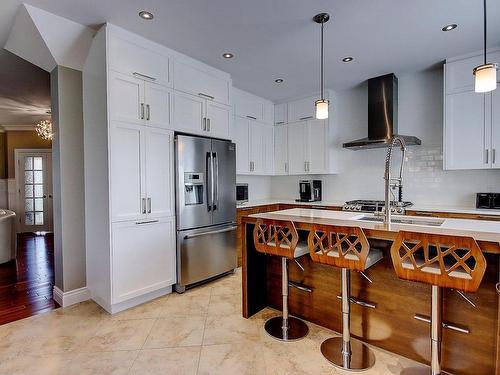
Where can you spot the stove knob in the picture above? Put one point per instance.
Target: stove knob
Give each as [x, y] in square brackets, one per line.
[345, 208]
[358, 208]
[399, 210]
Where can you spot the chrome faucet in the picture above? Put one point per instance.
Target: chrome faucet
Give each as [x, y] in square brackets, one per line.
[390, 182]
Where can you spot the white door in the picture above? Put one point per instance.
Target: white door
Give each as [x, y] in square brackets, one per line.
[143, 257]
[268, 156]
[256, 147]
[127, 177]
[242, 143]
[317, 146]
[126, 98]
[297, 133]
[158, 101]
[188, 113]
[466, 142]
[495, 129]
[281, 150]
[34, 187]
[159, 152]
[219, 118]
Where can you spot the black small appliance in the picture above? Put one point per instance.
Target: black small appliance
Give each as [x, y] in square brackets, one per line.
[309, 191]
[488, 200]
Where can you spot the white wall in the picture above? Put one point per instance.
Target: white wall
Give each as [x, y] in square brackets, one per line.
[361, 172]
[259, 187]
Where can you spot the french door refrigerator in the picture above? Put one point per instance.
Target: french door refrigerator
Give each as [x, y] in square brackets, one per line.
[206, 209]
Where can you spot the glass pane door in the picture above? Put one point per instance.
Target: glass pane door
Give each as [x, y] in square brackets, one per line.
[34, 194]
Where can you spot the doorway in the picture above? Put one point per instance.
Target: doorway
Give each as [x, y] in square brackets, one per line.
[34, 190]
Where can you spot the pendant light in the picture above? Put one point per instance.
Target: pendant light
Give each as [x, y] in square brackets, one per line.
[485, 74]
[322, 103]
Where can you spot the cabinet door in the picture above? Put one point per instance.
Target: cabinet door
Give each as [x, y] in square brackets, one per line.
[126, 170]
[465, 135]
[247, 105]
[159, 172]
[242, 145]
[280, 114]
[297, 134]
[188, 113]
[268, 141]
[143, 257]
[268, 112]
[158, 101]
[218, 119]
[317, 147]
[495, 128]
[126, 97]
[256, 137]
[300, 110]
[281, 150]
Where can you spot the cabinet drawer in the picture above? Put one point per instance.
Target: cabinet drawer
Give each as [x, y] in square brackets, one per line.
[194, 81]
[133, 59]
[143, 257]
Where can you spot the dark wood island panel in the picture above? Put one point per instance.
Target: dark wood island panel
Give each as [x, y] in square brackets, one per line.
[391, 325]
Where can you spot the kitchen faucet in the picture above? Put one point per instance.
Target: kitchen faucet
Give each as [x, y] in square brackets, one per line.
[392, 183]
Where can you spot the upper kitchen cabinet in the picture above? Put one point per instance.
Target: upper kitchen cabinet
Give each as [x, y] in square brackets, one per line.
[471, 120]
[308, 147]
[281, 150]
[303, 109]
[196, 115]
[254, 147]
[197, 79]
[280, 114]
[252, 107]
[135, 56]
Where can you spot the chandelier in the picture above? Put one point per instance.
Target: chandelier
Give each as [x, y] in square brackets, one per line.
[44, 129]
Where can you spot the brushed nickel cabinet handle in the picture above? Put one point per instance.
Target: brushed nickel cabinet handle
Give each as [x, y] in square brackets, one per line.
[487, 156]
[142, 111]
[148, 112]
[208, 124]
[146, 222]
[143, 205]
[204, 124]
[251, 117]
[139, 75]
[305, 118]
[206, 95]
[149, 205]
[494, 156]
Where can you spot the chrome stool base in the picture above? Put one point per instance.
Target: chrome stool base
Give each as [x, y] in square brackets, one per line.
[297, 329]
[361, 358]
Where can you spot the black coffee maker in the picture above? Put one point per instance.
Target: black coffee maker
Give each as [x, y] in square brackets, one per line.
[309, 191]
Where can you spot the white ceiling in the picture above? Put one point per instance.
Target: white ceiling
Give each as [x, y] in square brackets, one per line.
[277, 38]
[24, 91]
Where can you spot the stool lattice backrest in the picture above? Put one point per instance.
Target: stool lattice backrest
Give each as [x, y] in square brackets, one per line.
[339, 246]
[275, 237]
[446, 261]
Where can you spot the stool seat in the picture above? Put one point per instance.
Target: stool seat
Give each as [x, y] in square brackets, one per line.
[373, 256]
[436, 270]
[300, 249]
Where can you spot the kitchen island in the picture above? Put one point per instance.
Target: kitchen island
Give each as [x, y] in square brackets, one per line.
[391, 325]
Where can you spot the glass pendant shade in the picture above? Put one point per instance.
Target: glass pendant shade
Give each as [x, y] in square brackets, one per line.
[485, 77]
[322, 109]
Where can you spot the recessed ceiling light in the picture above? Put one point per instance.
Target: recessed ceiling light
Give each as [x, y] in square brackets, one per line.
[348, 59]
[146, 15]
[227, 55]
[450, 27]
[279, 80]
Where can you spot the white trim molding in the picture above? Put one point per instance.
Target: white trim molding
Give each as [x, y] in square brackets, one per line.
[72, 297]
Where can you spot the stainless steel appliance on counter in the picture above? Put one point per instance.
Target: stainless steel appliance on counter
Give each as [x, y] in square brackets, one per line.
[361, 205]
[206, 209]
[488, 200]
[241, 193]
[309, 191]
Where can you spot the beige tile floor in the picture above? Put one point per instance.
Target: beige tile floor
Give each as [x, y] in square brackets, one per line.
[199, 332]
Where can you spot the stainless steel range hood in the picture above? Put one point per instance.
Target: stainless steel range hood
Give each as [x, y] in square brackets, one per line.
[382, 115]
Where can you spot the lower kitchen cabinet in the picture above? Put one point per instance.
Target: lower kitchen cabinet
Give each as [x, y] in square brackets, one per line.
[143, 257]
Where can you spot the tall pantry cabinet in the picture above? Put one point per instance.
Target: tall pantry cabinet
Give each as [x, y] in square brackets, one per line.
[129, 177]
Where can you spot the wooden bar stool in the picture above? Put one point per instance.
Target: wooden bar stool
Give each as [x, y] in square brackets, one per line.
[280, 238]
[443, 262]
[348, 249]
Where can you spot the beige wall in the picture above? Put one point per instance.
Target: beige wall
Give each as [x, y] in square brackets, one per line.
[3, 156]
[20, 139]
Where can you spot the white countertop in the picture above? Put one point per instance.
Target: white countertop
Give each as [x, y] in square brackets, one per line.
[481, 230]
[433, 208]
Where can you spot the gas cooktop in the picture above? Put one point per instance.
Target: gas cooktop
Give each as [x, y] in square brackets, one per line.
[361, 205]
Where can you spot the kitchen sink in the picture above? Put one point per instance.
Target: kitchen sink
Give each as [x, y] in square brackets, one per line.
[402, 220]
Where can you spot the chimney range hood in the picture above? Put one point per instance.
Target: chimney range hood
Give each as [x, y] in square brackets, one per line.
[382, 115]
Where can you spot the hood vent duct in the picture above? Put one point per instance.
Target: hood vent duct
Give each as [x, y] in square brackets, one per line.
[382, 115]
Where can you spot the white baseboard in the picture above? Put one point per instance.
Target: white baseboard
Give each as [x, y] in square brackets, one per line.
[72, 297]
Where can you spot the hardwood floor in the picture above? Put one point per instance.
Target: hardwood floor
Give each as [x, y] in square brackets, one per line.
[26, 285]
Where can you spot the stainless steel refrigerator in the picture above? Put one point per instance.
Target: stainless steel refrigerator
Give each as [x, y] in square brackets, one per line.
[206, 209]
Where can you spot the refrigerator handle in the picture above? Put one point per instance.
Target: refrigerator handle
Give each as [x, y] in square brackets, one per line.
[209, 184]
[216, 183]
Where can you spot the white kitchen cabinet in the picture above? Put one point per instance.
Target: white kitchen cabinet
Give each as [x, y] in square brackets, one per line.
[137, 101]
[297, 143]
[300, 110]
[465, 132]
[195, 115]
[308, 147]
[141, 172]
[256, 137]
[241, 139]
[280, 114]
[268, 145]
[195, 80]
[281, 150]
[143, 257]
[247, 105]
[495, 128]
[131, 55]
[268, 112]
